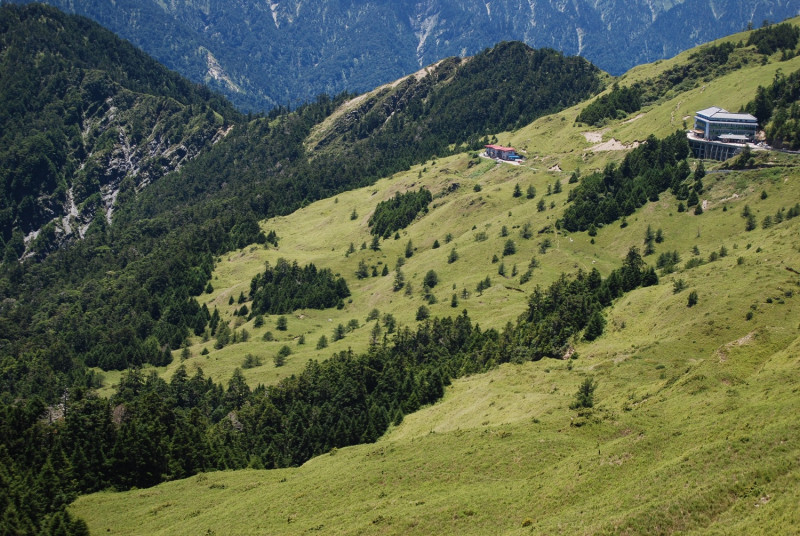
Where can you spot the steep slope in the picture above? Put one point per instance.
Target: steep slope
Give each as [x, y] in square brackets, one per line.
[146, 296]
[267, 54]
[693, 424]
[87, 121]
[129, 292]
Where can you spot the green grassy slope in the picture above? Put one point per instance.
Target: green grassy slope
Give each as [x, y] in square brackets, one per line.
[694, 428]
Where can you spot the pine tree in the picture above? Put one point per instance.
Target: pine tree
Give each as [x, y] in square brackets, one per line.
[281, 324]
[584, 398]
[595, 326]
[399, 280]
[431, 279]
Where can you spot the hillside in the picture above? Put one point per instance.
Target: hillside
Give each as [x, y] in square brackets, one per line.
[88, 120]
[692, 427]
[263, 55]
[149, 237]
[130, 293]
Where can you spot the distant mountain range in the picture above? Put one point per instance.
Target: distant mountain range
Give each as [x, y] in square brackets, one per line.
[285, 52]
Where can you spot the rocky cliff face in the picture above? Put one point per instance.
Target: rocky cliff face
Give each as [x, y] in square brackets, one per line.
[88, 121]
[283, 52]
[128, 141]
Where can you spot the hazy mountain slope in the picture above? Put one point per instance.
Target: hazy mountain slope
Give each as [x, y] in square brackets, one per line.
[266, 54]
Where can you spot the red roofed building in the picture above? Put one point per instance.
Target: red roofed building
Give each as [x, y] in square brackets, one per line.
[503, 153]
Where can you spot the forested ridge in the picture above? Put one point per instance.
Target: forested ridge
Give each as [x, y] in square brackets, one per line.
[83, 114]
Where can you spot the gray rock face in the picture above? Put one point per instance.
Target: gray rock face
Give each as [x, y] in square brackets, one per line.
[263, 54]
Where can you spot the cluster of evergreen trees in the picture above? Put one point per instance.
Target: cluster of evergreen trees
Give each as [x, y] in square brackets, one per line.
[777, 108]
[398, 212]
[288, 287]
[645, 172]
[559, 313]
[616, 105]
[775, 37]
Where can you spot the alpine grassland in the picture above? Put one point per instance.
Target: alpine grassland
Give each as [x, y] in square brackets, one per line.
[679, 417]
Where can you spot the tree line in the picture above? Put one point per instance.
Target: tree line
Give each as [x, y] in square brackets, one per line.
[153, 430]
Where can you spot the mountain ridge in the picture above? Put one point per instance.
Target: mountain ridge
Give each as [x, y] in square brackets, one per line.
[285, 53]
[85, 122]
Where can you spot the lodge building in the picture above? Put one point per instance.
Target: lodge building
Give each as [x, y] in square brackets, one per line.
[502, 153]
[719, 134]
[717, 124]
